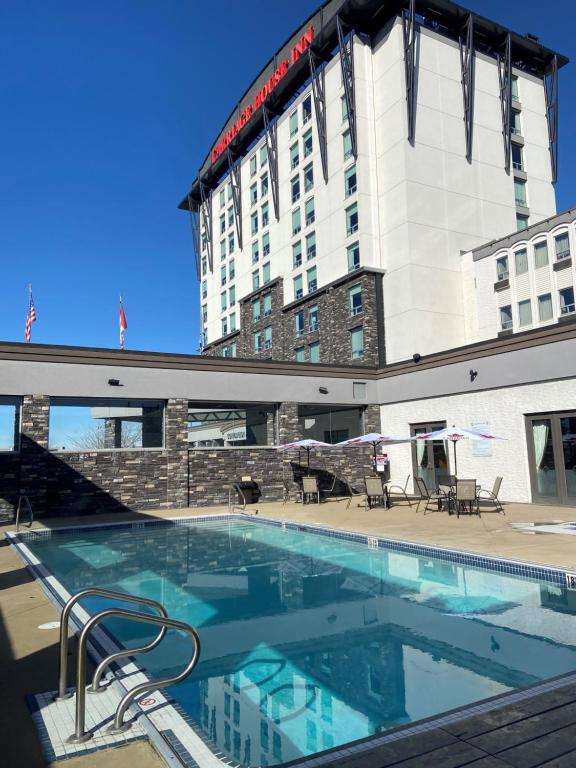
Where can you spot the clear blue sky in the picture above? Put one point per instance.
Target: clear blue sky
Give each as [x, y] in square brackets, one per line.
[108, 110]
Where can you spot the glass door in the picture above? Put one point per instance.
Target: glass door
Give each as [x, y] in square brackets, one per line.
[552, 457]
[568, 440]
[429, 457]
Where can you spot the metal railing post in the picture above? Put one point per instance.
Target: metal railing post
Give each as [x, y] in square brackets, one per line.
[19, 508]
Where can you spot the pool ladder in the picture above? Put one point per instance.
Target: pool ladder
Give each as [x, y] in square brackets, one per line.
[119, 726]
[22, 498]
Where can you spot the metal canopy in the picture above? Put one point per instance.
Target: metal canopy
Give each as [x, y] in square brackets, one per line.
[505, 79]
[467, 69]
[236, 182]
[346, 46]
[318, 91]
[195, 225]
[551, 86]
[409, 34]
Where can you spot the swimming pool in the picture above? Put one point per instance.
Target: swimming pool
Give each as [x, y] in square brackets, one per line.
[312, 641]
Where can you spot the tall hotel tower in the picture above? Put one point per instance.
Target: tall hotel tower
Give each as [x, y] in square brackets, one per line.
[382, 142]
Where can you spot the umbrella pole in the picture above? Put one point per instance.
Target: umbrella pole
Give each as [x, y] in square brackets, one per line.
[308, 452]
[455, 462]
[375, 467]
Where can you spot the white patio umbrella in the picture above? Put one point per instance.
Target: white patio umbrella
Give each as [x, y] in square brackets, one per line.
[374, 439]
[454, 434]
[308, 445]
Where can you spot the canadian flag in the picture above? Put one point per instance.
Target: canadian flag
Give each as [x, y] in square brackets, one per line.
[123, 324]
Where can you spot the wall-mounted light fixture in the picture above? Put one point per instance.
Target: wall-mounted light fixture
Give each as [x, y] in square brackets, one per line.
[473, 374]
[416, 357]
[114, 382]
[323, 390]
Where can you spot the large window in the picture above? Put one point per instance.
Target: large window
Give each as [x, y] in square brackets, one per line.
[330, 424]
[350, 180]
[294, 155]
[102, 424]
[545, 307]
[9, 423]
[506, 318]
[566, 300]
[355, 299]
[562, 246]
[353, 257]
[357, 343]
[524, 313]
[312, 280]
[352, 219]
[520, 192]
[540, 254]
[521, 261]
[231, 425]
[502, 268]
[517, 157]
[296, 221]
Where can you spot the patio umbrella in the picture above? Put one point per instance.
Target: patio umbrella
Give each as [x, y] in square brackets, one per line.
[454, 434]
[308, 445]
[374, 439]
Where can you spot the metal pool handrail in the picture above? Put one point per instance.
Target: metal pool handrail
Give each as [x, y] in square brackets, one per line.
[18, 509]
[80, 735]
[64, 621]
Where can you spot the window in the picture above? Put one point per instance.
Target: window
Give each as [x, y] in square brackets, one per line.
[253, 165]
[306, 110]
[9, 423]
[352, 219]
[298, 289]
[350, 180]
[502, 268]
[104, 424]
[263, 155]
[520, 192]
[524, 313]
[265, 244]
[231, 269]
[232, 296]
[294, 155]
[357, 342]
[308, 177]
[344, 107]
[267, 299]
[312, 280]
[224, 327]
[254, 223]
[347, 142]
[230, 216]
[222, 223]
[293, 123]
[223, 304]
[307, 143]
[255, 280]
[506, 318]
[258, 341]
[299, 323]
[515, 125]
[313, 323]
[265, 215]
[514, 79]
[222, 250]
[355, 299]
[229, 191]
[204, 289]
[330, 424]
[311, 246]
[233, 349]
[541, 254]
[521, 222]
[204, 265]
[297, 255]
[253, 194]
[255, 253]
[295, 188]
[521, 261]
[264, 185]
[231, 242]
[545, 307]
[314, 350]
[222, 197]
[268, 337]
[204, 313]
[232, 321]
[353, 252]
[256, 310]
[265, 273]
[309, 212]
[566, 301]
[296, 221]
[223, 274]
[231, 424]
[562, 246]
[299, 355]
[517, 157]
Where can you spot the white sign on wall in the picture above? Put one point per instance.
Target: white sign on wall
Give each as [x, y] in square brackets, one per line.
[481, 447]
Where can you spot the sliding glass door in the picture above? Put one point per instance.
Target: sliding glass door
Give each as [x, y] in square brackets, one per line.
[429, 458]
[552, 457]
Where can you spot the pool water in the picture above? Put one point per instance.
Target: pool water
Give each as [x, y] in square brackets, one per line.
[310, 642]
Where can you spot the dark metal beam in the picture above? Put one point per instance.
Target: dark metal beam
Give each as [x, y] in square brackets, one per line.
[346, 44]
[505, 80]
[551, 87]
[466, 42]
[206, 214]
[272, 148]
[195, 224]
[409, 32]
[318, 91]
[236, 182]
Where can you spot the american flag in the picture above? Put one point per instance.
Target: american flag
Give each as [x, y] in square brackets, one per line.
[123, 324]
[30, 318]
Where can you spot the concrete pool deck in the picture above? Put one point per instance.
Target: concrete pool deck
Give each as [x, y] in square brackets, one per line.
[28, 659]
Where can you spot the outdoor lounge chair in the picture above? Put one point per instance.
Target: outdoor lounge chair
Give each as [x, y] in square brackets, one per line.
[492, 496]
[400, 491]
[466, 496]
[375, 490]
[429, 498]
[310, 489]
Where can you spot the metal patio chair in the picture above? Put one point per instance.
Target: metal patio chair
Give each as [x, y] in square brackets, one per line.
[430, 498]
[399, 490]
[375, 490]
[310, 489]
[492, 496]
[466, 495]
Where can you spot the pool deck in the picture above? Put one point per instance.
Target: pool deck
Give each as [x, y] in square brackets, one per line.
[539, 731]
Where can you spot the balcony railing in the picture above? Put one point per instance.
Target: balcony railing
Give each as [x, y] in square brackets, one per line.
[310, 218]
[517, 165]
[356, 310]
[504, 275]
[352, 228]
[521, 201]
[563, 255]
[506, 325]
[350, 190]
[567, 309]
[313, 327]
[297, 263]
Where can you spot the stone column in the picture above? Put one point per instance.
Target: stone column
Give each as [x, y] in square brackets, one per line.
[33, 450]
[176, 431]
[288, 427]
[112, 433]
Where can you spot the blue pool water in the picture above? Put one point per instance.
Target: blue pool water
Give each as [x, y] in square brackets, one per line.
[309, 642]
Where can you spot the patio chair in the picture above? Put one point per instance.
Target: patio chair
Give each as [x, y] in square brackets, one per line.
[399, 490]
[375, 490]
[429, 498]
[446, 483]
[492, 496]
[286, 492]
[310, 489]
[466, 495]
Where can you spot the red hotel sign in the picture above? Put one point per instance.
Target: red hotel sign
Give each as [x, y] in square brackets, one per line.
[304, 42]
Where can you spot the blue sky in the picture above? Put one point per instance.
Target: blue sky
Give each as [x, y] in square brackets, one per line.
[108, 111]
